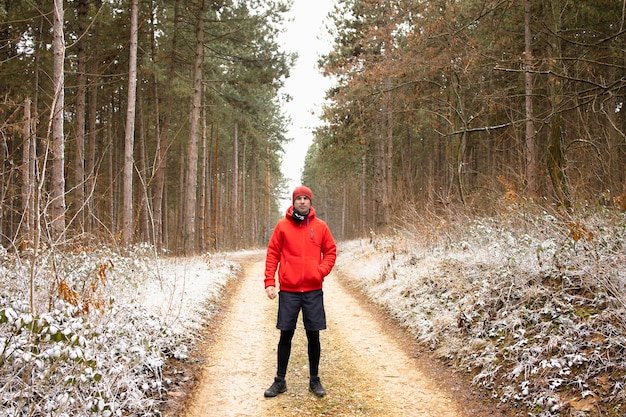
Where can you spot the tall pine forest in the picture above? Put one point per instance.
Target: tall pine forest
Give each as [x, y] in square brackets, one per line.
[183, 154]
[471, 107]
[162, 121]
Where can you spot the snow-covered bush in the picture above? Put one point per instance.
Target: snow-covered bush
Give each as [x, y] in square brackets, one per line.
[532, 306]
[90, 345]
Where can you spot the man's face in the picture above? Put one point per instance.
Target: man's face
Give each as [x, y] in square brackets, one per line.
[302, 204]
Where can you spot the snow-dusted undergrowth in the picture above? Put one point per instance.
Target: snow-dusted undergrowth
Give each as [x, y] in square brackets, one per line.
[101, 326]
[533, 306]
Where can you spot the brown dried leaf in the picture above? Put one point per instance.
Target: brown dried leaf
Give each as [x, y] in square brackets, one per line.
[584, 404]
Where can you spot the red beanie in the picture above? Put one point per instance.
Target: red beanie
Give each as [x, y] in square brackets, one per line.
[302, 190]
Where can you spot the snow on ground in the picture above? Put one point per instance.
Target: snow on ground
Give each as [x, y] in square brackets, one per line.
[531, 306]
[181, 289]
[100, 347]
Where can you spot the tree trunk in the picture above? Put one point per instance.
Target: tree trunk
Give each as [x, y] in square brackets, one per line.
[235, 201]
[457, 116]
[555, 158]
[90, 163]
[241, 203]
[380, 185]
[204, 175]
[268, 196]
[142, 167]
[216, 170]
[129, 139]
[90, 160]
[110, 206]
[344, 209]
[615, 148]
[389, 147]
[57, 181]
[81, 81]
[28, 177]
[254, 214]
[160, 164]
[35, 178]
[4, 180]
[556, 162]
[191, 183]
[363, 193]
[531, 153]
[460, 165]
[180, 209]
[429, 166]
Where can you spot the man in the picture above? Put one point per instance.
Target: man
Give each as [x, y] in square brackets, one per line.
[304, 252]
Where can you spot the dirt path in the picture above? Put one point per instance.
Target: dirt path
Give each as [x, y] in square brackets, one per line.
[364, 367]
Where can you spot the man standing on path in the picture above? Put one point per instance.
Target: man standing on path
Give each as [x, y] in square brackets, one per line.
[303, 251]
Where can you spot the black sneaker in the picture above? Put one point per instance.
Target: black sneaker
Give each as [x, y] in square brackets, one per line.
[278, 387]
[315, 386]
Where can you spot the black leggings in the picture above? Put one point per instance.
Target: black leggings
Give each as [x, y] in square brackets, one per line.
[284, 351]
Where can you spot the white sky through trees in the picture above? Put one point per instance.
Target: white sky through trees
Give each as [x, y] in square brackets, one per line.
[306, 35]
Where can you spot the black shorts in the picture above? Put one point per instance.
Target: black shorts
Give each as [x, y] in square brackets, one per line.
[312, 305]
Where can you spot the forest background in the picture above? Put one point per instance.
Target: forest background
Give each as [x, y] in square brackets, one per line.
[162, 121]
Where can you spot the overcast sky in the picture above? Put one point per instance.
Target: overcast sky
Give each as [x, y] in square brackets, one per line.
[305, 35]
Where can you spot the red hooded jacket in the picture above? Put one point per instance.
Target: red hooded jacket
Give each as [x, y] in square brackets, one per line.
[304, 253]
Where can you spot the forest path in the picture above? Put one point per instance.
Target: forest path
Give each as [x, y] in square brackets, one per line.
[366, 367]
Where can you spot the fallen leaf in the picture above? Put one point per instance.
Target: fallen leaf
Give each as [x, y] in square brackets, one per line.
[584, 404]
